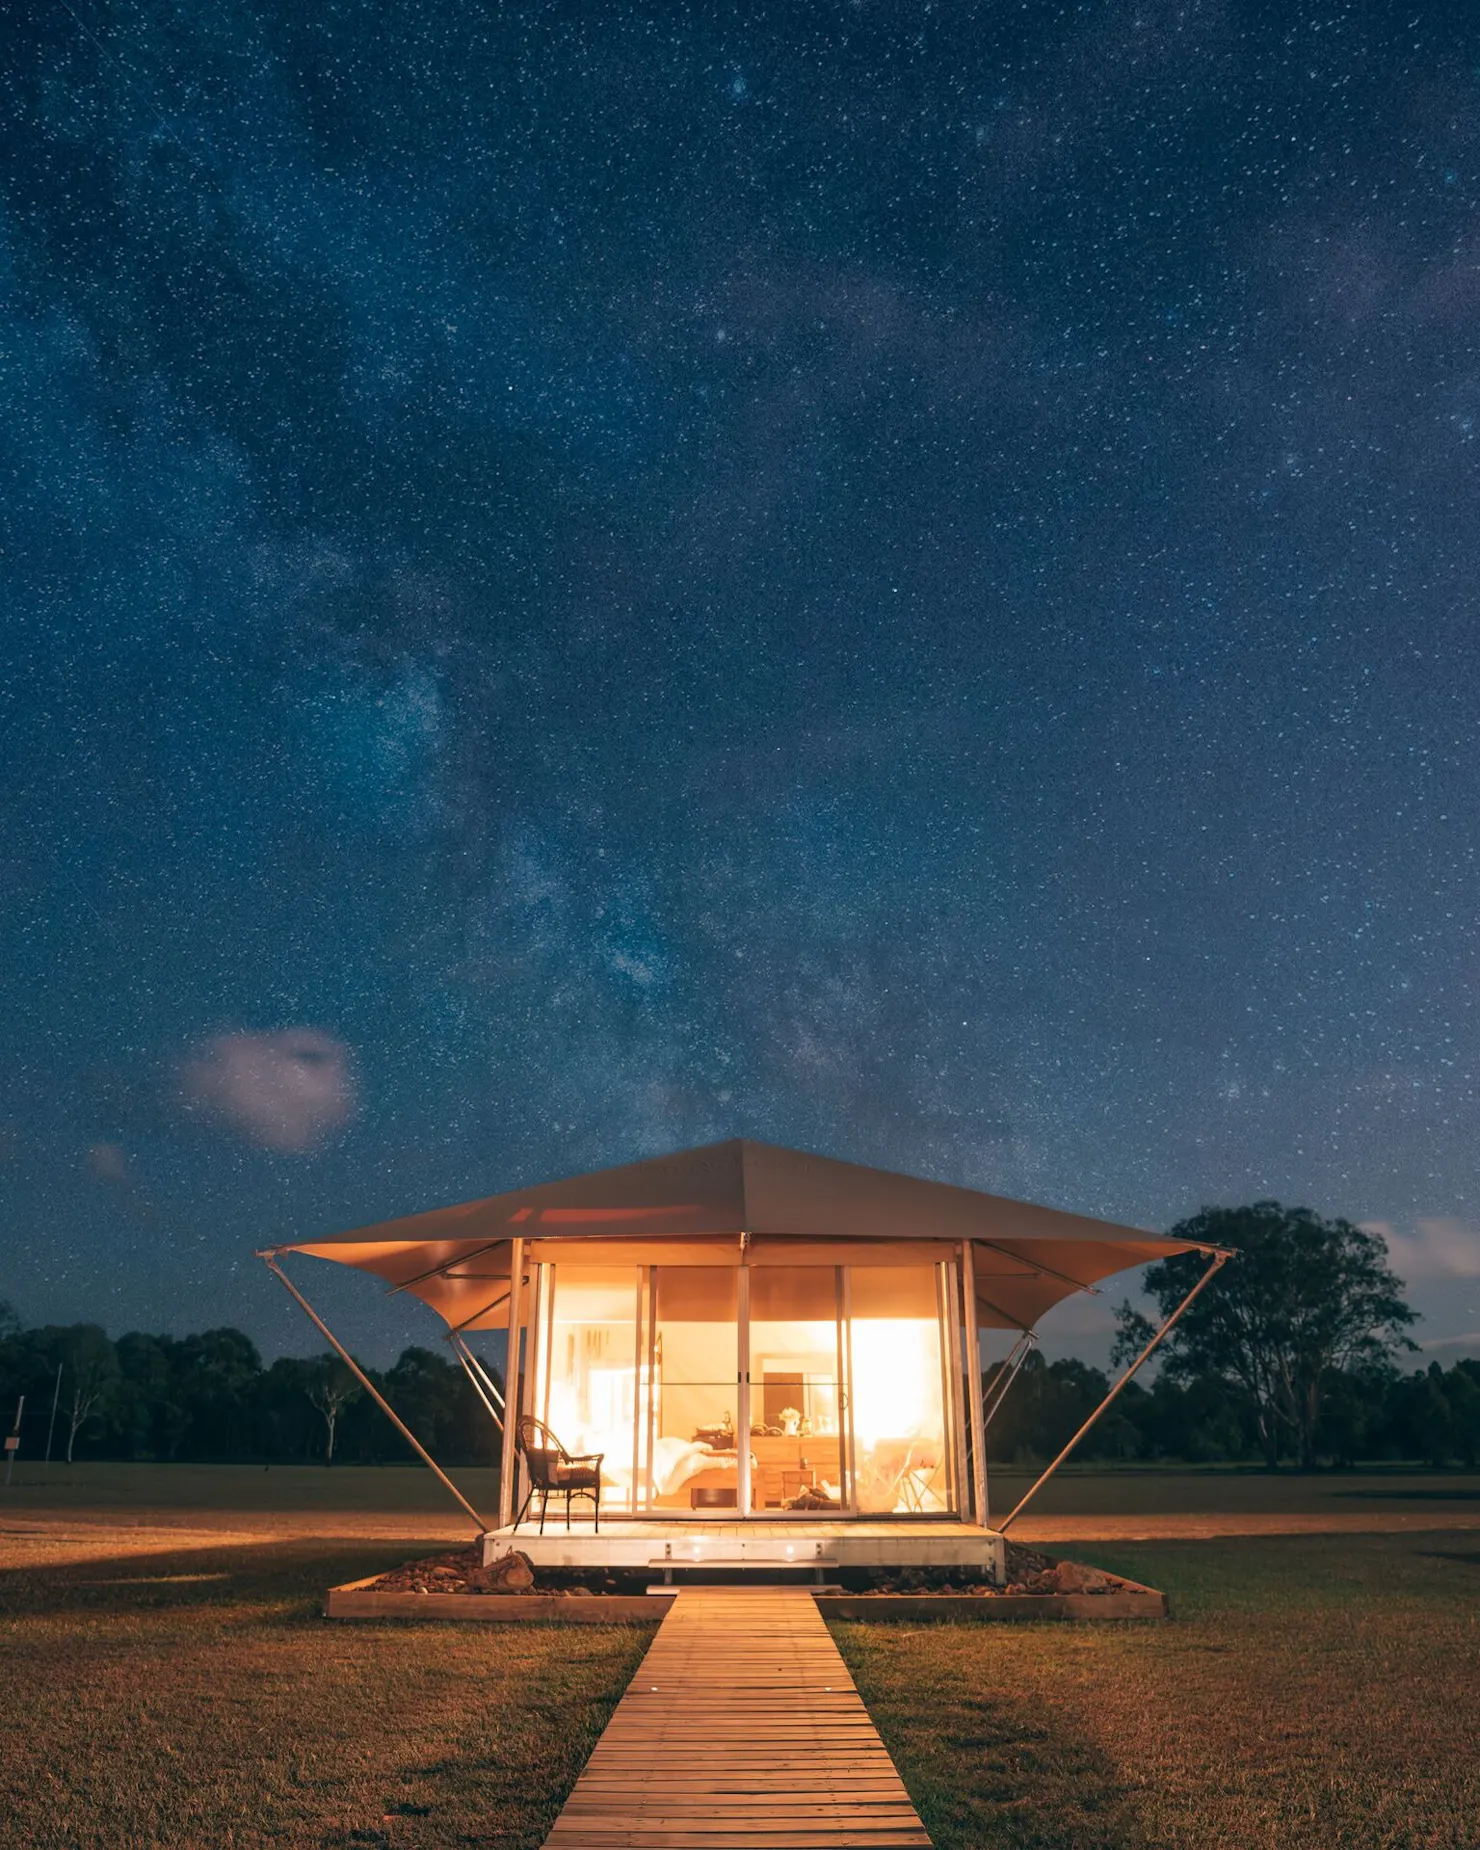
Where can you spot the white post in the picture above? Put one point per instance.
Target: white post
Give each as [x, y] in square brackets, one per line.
[632, 1500]
[468, 1360]
[507, 1481]
[953, 1376]
[974, 1384]
[1006, 1375]
[742, 1394]
[845, 1402]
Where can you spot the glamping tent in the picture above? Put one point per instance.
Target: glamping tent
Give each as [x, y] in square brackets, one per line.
[745, 1336]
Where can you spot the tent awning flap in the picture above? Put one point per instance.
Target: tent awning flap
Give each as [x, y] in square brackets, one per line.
[707, 1201]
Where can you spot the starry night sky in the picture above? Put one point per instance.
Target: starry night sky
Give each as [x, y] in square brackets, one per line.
[895, 578]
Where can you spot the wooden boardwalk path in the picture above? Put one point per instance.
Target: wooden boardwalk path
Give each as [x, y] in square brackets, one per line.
[741, 1728]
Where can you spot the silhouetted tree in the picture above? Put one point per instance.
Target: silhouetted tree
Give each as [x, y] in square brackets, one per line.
[330, 1387]
[1303, 1299]
[219, 1375]
[1462, 1388]
[89, 1377]
[89, 1363]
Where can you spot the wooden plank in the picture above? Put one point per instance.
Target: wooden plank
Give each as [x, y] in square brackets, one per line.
[741, 1728]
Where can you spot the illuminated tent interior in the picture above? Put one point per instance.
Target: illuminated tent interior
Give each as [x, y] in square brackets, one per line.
[827, 1311]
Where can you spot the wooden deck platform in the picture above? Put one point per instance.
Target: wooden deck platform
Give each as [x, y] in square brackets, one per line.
[741, 1727]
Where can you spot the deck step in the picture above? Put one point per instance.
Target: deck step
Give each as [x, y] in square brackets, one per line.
[805, 1562]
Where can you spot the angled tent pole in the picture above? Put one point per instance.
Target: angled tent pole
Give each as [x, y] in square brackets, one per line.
[482, 1311]
[460, 1342]
[1011, 1363]
[485, 1388]
[1037, 1267]
[1219, 1260]
[270, 1260]
[444, 1267]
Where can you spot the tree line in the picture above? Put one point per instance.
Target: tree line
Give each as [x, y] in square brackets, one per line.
[209, 1399]
[1429, 1416]
[1291, 1354]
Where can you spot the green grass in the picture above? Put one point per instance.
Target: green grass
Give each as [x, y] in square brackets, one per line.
[197, 1699]
[385, 1489]
[412, 1490]
[1309, 1694]
[1136, 1490]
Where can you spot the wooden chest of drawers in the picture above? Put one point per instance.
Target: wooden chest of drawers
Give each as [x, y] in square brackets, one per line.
[784, 1465]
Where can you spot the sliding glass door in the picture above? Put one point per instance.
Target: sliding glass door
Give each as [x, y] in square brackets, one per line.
[589, 1378]
[902, 1392]
[694, 1391]
[795, 1370]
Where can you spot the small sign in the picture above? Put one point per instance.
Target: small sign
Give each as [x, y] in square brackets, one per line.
[12, 1442]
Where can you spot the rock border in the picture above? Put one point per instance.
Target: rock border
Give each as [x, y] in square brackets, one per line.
[1135, 1602]
[354, 1600]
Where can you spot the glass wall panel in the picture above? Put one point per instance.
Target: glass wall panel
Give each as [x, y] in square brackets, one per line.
[795, 1437]
[897, 1391]
[693, 1410]
[588, 1396]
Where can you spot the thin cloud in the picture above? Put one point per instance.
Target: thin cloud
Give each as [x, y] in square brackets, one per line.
[285, 1092]
[1438, 1247]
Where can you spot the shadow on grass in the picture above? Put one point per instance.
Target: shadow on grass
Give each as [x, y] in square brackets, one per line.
[1467, 1557]
[291, 1576]
[1442, 1494]
[222, 1708]
[983, 1768]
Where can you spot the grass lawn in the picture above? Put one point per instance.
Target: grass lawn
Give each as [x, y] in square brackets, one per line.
[1319, 1692]
[165, 1679]
[197, 1699]
[391, 1491]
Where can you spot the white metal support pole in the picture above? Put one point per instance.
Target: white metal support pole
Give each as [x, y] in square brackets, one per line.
[1219, 1260]
[370, 1388]
[1008, 1373]
[495, 1394]
[974, 1384]
[743, 1487]
[845, 1408]
[463, 1356]
[509, 1459]
[649, 1493]
[632, 1497]
[842, 1388]
[953, 1377]
[547, 1361]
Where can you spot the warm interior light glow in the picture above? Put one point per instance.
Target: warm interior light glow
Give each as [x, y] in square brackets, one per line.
[656, 1391]
[590, 1387]
[898, 1420]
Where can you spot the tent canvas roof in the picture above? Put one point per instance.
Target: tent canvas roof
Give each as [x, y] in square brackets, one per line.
[1027, 1258]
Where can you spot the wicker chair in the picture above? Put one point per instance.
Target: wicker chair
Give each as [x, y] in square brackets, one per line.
[554, 1470]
